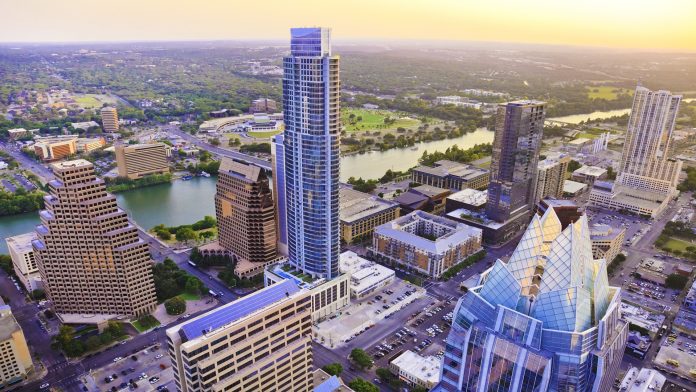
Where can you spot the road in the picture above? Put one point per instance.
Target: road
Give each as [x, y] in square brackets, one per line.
[35, 167]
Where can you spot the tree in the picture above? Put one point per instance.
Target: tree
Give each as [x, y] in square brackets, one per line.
[359, 384]
[419, 388]
[573, 166]
[175, 306]
[333, 369]
[676, 281]
[361, 358]
[186, 234]
[215, 141]
[93, 343]
[388, 377]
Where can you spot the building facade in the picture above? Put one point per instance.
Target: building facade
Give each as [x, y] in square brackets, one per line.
[551, 174]
[589, 174]
[245, 213]
[263, 105]
[87, 145]
[139, 160]
[16, 361]
[23, 260]
[260, 342]
[366, 277]
[518, 131]
[89, 254]
[547, 320]
[451, 175]
[426, 243]
[279, 192]
[361, 212]
[55, 148]
[109, 118]
[311, 149]
[414, 369]
[606, 241]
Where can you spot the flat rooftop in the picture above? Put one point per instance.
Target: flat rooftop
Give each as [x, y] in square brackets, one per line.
[355, 205]
[470, 196]
[234, 311]
[363, 273]
[429, 190]
[446, 167]
[21, 243]
[573, 186]
[592, 171]
[423, 368]
[604, 232]
[71, 164]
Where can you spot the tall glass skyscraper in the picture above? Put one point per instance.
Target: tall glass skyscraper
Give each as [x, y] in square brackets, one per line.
[311, 147]
[547, 320]
[518, 130]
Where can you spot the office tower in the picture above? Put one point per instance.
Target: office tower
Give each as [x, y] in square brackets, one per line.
[518, 131]
[138, 160]
[312, 131]
[547, 320]
[16, 360]
[263, 105]
[245, 213]
[646, 162]
[89, 254]
[551, 174]
[260, 342]
[109, 117]
[278, 163]
[23, 260]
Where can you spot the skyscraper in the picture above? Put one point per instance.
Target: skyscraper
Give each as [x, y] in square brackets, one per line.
[278, 163]
[245, 213]
[551, 174]
[89, 254]
[518, 131]
[547, 320]
[646, 162]
[109, 117]
[311, 147]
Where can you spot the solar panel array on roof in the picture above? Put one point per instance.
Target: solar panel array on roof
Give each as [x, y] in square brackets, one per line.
[238, 309]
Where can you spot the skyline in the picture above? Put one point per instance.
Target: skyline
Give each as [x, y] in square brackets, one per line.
[643, 24]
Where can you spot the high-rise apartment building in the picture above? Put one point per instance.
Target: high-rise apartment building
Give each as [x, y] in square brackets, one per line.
[23, 260]
[551, 173]
[15, 360]
[311, 148]
[547, 320]
[109, 118]
[260, 342]
[646, 162]
[89, 254]
[245, 213]
[138, 160]
[518, 130]
[278, 163]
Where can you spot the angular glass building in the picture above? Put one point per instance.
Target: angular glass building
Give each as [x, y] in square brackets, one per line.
[311, 147]
[547, 320]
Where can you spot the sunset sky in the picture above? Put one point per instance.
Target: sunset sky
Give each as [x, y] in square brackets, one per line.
[659, 24]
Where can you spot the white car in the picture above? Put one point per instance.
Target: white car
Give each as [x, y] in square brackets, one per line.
[158, 356]
[45, 386]
[118, 359]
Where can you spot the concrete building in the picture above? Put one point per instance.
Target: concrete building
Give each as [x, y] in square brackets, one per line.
[19, 133]
[15, 360]
[546, 320]
[426, 243]
[311, 87]
[470, 199]
[361, 212]
[622, 198]
[414, 369]
[365, 276]
[109, 117]
[426, 198]
[87, 145]
[55, 148]
[589, 174]
[567, 211]
[606, 241]
[458, 101]
[139, 160]
[643, 380]
[451, 175]
[573, 188]
[23, 260]
[89, 254]
[245, 212]
[551, 174]
[263, 105]
[260, 342]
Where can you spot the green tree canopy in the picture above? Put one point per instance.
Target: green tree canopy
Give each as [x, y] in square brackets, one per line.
[333, 369]
[175, 306]
[361, 358]
[359, 384]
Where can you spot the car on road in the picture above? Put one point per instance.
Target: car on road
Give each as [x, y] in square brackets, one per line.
[158, 356]
[45, 386]
[154, 380]
[118, 359]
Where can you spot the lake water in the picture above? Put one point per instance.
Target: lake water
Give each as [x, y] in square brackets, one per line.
[577, 118]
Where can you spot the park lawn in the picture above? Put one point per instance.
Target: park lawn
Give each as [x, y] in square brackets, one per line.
[189, 297]
[605, 92]
[374, 120]
[142, 328]
[677, 244]
[88, 101]
[264, 134]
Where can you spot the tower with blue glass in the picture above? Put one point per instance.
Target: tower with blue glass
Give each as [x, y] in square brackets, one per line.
[311, 147]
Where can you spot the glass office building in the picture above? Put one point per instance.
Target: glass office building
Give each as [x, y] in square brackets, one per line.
[547, 320]
[311, 148]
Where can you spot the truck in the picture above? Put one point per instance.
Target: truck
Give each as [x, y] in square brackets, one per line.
[212, 293]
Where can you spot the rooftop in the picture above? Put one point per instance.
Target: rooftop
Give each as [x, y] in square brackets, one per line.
[71, 164]
[573, 186]
[355, 205]
[8, 323]
[242, 169]
[592, 171]
[642, 381]
[363, 273]
[604, 232]
[21, 243]
[470, 196]
[445, 167]
[236, 310]
[423, 368]
[429, 190]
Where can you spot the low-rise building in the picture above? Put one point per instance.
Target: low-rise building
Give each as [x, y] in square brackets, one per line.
[55, 148]
[426, 198]
[638, 345]
[258, 342]
[415, 369]
[643, 380]
[263, 105]
[606, 241]
[426, 243]
[15, 360]
[361, 212]
[365, 276]
[573, 188]
[324, 382]
[87, 145]
[567, 210]
[589, 174]
[451, 175]
[138, 160]
[84, 125]
[622, 198]
[471, 199]
[19, 133]
[23, 260]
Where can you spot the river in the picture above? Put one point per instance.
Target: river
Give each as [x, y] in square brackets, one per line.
[577, 118]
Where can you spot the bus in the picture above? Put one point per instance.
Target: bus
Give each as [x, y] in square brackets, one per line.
[192, 263]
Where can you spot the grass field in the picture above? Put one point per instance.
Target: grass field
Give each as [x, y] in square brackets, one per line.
[373, 120]
[88, 102]
[677, 244]
[264, 134]
[189, 297]
[142, 328]
[605, 92]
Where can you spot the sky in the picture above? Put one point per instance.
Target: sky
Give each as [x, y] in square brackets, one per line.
[654, 24]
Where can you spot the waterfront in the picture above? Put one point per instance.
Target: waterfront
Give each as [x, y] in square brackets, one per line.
[577, 118]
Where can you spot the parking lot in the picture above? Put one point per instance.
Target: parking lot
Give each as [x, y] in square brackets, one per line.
[145, 370]
[364, 313]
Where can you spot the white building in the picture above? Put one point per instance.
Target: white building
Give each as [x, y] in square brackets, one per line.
[415, 369]
[23, 261]
[458, 101]
[365, 276]
[645, 380]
